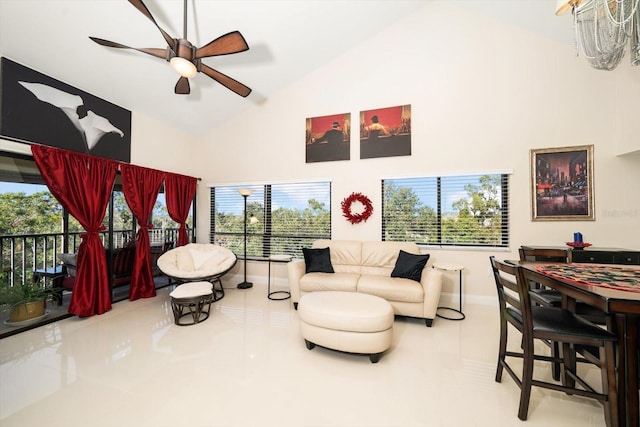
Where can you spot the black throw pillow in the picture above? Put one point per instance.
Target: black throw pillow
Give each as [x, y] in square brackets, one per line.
[317, 260]
[409, 266]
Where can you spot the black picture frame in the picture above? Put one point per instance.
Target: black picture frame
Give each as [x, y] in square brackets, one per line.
[36, 108]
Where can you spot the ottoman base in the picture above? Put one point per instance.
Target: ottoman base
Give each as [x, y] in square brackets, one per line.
[372, 344]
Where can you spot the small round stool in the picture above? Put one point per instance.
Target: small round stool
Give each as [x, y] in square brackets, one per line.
[190, 299]
[347, 321]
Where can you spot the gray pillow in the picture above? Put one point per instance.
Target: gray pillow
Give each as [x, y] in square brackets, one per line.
[409, 266]
[67, 259]
[317, 260]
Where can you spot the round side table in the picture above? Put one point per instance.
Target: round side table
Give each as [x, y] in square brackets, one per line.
[447, 267]
[277, 295]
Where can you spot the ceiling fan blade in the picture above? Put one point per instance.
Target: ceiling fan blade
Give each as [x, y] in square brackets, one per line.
[232, 42]
[226, 81]
[182, 87]
[158, 53]
[138, 4]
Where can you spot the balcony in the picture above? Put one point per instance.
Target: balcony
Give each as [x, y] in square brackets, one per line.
[23, 255]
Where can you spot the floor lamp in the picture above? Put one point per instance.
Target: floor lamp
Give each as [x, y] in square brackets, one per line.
[245, 193]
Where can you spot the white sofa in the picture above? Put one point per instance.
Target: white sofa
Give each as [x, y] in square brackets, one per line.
[366, 267]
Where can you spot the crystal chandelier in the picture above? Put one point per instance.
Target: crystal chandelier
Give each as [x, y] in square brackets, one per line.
[603, 30]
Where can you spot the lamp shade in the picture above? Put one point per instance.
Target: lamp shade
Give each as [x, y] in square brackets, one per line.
[245, 191]
[563, 6]
[184, 67]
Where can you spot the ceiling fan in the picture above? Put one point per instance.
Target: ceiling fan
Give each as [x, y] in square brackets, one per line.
[185, 58]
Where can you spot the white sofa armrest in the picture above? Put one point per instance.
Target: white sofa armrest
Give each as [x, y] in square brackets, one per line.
[431, 281]
[295, 269]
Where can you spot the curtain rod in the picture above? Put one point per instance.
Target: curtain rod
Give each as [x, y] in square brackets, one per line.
[19, 141]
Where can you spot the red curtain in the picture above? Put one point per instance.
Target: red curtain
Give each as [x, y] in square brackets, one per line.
[82, 184]
[141, 186]
[179, 191]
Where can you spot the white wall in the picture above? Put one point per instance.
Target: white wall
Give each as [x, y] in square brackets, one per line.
[483, 93]
[156, 145]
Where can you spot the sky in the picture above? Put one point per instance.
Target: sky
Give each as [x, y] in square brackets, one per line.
[17, 187]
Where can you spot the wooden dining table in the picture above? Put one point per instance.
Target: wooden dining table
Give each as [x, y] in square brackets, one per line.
[621, 303]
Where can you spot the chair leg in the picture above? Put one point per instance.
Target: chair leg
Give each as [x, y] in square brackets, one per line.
[608, 371]
[568, 365]
[555, 366]
[502, 350]
[527, 379]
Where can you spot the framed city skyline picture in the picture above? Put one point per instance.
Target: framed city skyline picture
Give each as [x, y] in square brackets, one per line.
[36, 108]
[562, 184]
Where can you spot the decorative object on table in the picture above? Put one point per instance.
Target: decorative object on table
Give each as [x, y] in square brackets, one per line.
[185, 58]
[327, 138]
[562, 184]
[37, 108]
[245, 193]
[385, 132]
[27, 302]
[347, 208]
[579, 245]
[603, 28]
[445, 267]
[578, 242]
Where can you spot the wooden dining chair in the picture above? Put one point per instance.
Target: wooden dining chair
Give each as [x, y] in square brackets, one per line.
[578, 336]
[550, 297]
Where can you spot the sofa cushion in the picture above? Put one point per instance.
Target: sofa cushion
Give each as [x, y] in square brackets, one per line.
[346, 255]
[391, 288]
[380, 257]
[312, 282]
[409, 266]
[184, 260]
[317, 260]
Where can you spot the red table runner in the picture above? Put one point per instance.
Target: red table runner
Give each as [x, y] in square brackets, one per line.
[606, 276]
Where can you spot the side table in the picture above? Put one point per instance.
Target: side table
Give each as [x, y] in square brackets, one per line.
[446, 267]
[55, 276]
[281, 295]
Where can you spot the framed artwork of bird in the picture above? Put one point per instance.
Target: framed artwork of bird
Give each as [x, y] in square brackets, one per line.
[36, 108]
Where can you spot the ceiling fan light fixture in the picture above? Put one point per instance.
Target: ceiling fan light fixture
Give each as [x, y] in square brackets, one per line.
[184, 67]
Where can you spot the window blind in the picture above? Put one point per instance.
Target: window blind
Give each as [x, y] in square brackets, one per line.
[454, 210]
[281, 218]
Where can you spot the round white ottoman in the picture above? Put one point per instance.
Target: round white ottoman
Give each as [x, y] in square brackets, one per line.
[346, 321]
[191, 299]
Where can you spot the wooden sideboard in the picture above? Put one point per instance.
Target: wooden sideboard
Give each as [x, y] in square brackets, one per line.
[596, 255]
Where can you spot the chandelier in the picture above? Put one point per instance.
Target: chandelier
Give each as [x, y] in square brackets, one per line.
[604, 28]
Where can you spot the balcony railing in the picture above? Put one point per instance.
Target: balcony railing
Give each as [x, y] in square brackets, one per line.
[22, 254]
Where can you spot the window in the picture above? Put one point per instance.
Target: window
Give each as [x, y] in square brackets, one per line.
[281, 218]
[463, 210]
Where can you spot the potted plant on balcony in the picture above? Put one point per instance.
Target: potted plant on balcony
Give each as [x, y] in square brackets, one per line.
[26, 301]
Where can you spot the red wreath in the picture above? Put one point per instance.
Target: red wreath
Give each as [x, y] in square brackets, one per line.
[355, 218]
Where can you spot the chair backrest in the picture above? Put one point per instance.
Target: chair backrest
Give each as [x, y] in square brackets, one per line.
[544, 254]
[513, 292]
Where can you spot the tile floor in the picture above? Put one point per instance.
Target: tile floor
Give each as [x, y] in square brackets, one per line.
[248, 366]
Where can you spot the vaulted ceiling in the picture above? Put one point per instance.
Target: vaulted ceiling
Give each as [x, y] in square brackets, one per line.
[287, 39]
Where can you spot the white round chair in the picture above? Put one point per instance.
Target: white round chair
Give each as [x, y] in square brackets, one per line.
[197, 262]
